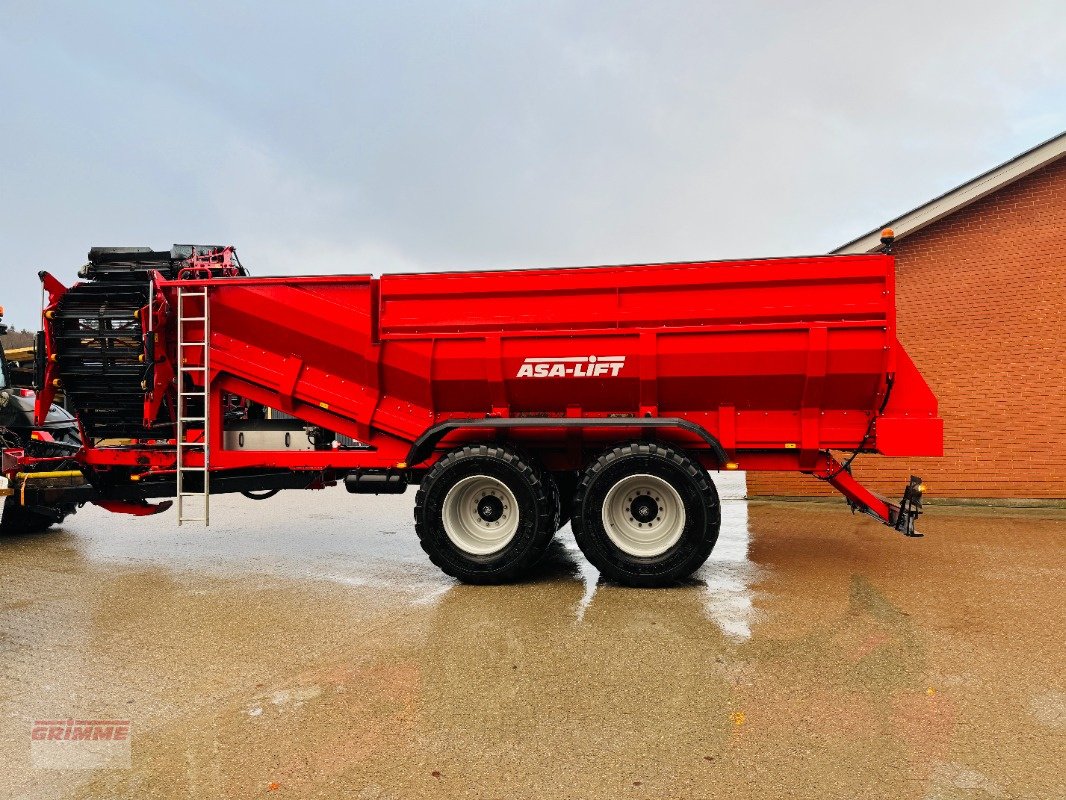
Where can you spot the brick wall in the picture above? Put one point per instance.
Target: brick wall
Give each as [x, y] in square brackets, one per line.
[982, 312]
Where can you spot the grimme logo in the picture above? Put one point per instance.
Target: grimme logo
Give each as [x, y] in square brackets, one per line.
[114, 730]
[572, 366]
[80, 743]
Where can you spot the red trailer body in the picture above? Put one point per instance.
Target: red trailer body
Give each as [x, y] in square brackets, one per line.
[755, 364]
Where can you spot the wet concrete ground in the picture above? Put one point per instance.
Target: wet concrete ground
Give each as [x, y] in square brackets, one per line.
[305, 647]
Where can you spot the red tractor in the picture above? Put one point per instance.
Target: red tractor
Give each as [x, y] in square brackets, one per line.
[55, 440]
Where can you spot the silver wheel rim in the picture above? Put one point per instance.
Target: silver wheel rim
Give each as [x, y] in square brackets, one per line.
[643, 515]
[480, 515]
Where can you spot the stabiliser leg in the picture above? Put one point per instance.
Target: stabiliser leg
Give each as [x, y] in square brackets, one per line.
[900, 516]
[910, 507]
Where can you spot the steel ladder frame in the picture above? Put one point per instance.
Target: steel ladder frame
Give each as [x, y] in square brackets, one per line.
[182, 411]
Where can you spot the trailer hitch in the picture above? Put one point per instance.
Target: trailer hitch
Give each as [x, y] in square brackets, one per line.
[901, 516]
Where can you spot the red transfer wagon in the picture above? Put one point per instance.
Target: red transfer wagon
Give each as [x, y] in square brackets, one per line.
[516, 400]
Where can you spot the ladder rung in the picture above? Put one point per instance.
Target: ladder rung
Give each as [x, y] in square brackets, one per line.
[191, 319]
[192, 369]
[192, 444]
[193, 344]
[191, 519]
[191, 419]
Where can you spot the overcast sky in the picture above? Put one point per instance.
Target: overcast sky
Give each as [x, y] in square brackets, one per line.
[374, 137]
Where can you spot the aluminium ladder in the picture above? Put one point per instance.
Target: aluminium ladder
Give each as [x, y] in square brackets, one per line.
[197, 416]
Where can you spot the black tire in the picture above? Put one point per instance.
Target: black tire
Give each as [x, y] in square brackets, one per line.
[698, 531]
[567, 483]
[535, 495]
[17, 520]
[261, 494]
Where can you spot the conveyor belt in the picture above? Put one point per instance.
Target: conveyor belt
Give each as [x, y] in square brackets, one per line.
[99, 346]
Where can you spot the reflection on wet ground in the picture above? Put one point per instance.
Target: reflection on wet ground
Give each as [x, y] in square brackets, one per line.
[305, 647]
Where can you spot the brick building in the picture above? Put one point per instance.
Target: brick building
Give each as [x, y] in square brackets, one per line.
[981, 294]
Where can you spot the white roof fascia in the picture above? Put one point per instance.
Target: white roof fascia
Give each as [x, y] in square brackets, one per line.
[970, 192]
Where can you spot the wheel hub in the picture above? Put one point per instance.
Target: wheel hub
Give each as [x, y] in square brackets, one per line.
[490, 508]
[644, 509]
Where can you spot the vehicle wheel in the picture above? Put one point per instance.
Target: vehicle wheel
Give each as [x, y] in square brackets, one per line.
[485, 514]
[16, 519]
[567, 483]
[646, 514]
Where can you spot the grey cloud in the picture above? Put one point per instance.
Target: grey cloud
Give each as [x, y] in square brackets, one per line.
[339, 137]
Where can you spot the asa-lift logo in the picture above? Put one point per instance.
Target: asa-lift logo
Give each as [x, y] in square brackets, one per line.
[572, 367]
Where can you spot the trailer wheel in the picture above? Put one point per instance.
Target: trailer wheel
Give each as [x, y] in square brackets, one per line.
[485, 514]
[645, 514]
